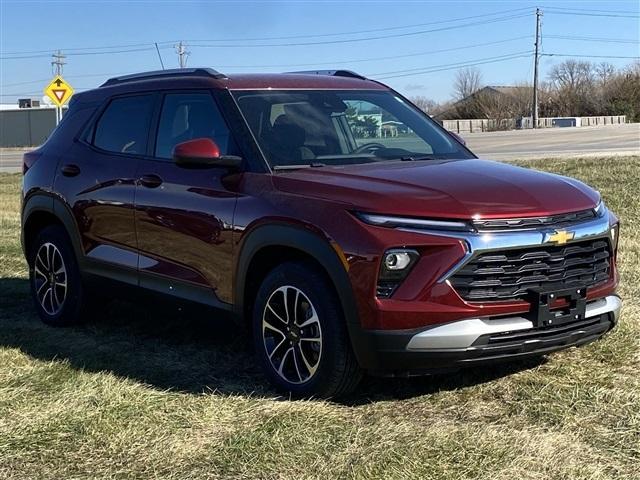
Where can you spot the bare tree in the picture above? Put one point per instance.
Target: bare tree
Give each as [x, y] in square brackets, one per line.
[573, 75]
[468, 81]
[574, 83]
[423, 103]
[604, 71]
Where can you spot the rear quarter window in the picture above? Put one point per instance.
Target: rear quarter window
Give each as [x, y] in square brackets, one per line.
[124, 125]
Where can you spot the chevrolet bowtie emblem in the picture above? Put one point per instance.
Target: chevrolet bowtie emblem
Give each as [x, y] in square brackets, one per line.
[560, 237]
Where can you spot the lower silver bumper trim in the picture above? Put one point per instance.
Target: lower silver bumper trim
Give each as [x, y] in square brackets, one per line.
[463, 333]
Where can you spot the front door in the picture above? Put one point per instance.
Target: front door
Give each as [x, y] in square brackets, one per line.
[184, 216]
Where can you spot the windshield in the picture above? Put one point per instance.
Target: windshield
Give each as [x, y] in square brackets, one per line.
[329, 127]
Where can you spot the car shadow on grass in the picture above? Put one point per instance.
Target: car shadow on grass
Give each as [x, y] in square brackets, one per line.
[185, 348]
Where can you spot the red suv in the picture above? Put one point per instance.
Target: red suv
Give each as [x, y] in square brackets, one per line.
[349, 230]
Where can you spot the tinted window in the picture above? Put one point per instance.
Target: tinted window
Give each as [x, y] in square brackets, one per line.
[124, 125]
[186, 116]
[342, 127]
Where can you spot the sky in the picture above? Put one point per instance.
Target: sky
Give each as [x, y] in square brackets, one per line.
[413, 46]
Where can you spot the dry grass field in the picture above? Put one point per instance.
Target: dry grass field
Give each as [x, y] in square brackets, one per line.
[153, 391]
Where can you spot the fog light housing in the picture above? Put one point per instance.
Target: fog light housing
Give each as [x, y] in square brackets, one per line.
[394, 268]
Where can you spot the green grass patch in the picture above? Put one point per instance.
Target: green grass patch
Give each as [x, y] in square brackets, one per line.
[166, 392]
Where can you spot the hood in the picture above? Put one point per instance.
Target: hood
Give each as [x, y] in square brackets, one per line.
[461, 189]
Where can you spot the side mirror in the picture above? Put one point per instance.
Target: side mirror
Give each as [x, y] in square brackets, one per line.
[203, 152]
[458, 138]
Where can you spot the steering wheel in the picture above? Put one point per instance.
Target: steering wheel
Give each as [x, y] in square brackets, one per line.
[368, 146]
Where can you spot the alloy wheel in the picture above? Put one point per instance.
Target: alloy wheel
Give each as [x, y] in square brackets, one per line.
[50, 278]
[292, 335]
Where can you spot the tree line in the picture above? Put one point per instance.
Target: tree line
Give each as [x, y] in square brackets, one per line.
[572, 88]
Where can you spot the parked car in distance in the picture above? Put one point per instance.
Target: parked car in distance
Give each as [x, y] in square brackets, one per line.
[351, 232]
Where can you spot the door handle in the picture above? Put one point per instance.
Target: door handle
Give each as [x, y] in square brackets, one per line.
[70, 170]
[150, 181]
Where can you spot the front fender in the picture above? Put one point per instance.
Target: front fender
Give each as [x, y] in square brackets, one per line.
[299, 238]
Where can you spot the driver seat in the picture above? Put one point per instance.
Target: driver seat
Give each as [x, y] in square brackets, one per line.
[286, 142]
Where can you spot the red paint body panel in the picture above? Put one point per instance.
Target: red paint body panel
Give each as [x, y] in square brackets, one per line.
[456, 190]
[197, 148]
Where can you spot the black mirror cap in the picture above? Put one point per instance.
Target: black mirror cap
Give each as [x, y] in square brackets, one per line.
[230, 162]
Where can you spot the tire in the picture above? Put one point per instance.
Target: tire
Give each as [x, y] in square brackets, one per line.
[52, 259]
[309, 355]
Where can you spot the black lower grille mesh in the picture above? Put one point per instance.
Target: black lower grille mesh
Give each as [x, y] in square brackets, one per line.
[508, 275]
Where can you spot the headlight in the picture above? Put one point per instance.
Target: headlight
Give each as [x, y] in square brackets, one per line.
[394, 268]
[600, 209]
[415, 223]
[614, 232]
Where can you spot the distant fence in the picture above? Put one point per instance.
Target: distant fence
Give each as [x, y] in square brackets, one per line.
[478, 125]
[554, 122]
[26, 127]
[485, 125]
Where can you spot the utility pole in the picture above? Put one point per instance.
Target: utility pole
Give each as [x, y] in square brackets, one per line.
[181, 50]
[56, 65]
[58, 62]
[534, 115]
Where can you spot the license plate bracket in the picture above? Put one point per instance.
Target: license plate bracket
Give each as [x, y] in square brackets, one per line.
[543, 315]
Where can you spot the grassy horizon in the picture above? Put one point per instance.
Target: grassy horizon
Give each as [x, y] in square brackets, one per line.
[153, 391]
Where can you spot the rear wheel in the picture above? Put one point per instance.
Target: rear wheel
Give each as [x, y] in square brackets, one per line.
[55, 280]
[300, 334]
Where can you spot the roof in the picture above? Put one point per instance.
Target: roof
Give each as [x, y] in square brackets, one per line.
[508, 89]
[208, 78]
[297, 81]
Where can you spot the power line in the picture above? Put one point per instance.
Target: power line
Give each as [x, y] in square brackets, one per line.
[326, 42]
[595, 39]
[361, 60]
[587, 56]
[358, 32]
[70, 50]
[454, 66]
[287, 37]
[589, 10]
[557, 12]
[372, 59]
[152, 47]
[354, 40]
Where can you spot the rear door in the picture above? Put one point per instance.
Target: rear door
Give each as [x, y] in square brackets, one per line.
[184, 216]
[97, 179]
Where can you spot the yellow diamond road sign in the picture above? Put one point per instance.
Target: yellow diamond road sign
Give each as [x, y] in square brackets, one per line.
[59, 91]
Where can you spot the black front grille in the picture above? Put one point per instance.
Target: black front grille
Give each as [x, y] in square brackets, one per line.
[554, 221]
[508, 275]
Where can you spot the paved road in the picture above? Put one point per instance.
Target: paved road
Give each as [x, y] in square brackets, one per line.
[617, 139]
[614, 139]
[10, 160]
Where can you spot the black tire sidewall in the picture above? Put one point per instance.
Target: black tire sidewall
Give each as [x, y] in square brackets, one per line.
[72, 306]
[334, 338]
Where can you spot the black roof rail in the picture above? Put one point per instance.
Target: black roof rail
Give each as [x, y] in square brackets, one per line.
[333, 73]
[157, 74]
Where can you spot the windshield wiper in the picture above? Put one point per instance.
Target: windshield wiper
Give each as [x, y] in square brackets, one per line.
[276, 168]
[416, 159]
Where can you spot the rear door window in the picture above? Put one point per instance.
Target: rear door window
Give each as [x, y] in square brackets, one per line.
[124, 125]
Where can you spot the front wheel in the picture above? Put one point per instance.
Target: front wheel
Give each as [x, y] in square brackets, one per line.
[300, 334]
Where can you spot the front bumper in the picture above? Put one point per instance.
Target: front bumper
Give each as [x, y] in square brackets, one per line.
[475, 341]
